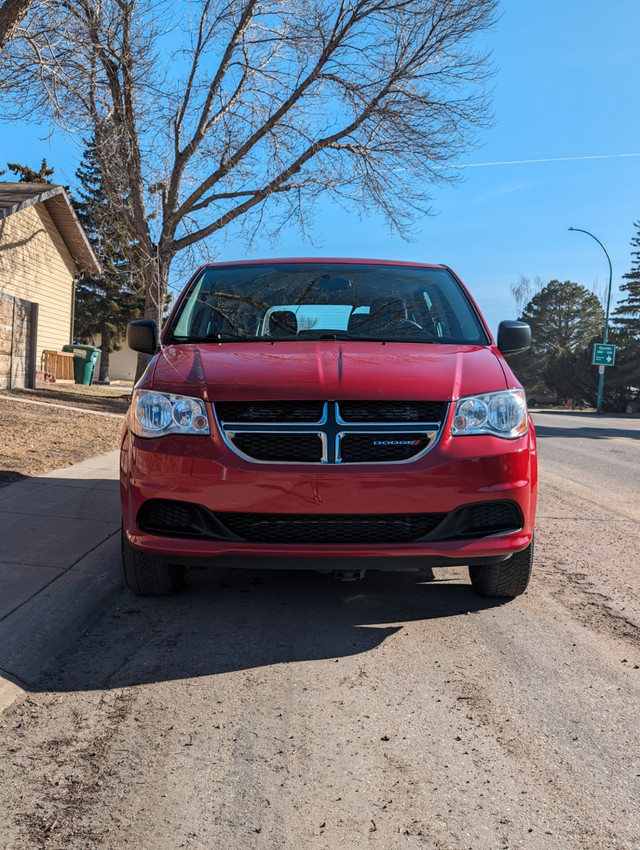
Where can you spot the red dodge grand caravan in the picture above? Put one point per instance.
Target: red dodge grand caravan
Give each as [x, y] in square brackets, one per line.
[329, 415]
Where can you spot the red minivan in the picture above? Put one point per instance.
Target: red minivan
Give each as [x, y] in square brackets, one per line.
[328, 414]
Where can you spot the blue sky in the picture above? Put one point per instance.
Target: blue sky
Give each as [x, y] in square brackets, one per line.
[566, 89]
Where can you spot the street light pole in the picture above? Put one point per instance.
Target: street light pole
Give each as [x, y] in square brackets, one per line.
[605, 334]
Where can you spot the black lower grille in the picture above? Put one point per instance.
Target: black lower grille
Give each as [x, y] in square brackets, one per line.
[482, 519]
[330, 528]
[183, 519]
[493, 517]
[174, 519]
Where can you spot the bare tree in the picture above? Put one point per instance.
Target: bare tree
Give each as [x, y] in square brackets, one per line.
[523, 289]
[241, 113]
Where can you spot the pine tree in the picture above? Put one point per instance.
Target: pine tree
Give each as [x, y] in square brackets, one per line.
[625, 376]
[105, 304]
[626, 316]
[564, 318]
[28, 175]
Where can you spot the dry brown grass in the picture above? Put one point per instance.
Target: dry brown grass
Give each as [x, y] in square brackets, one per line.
[37, 438]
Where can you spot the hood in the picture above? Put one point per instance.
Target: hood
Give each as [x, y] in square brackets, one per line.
[328, 370]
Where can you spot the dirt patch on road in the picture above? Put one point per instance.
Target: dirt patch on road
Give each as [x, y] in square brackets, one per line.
[57, 425]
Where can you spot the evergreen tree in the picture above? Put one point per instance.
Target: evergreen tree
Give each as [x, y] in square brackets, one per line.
[28, 175]
[624, 377]
[565, 318]
[626, 316]
[105, 304]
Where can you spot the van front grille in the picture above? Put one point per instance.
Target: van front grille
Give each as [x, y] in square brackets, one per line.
[331, 432]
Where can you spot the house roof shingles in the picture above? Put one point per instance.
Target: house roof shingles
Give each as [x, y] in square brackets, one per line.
[18, 196]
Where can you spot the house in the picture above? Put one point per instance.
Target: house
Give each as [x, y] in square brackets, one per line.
[43, 249]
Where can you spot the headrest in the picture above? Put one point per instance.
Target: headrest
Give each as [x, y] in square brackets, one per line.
[283, 323]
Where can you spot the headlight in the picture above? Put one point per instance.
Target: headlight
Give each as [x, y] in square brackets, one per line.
[157, 414]
[502, 414]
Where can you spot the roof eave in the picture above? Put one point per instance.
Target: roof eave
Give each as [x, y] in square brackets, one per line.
[57, 204]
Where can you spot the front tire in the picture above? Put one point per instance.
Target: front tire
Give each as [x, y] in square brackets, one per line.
[149, 576]
[507, 579]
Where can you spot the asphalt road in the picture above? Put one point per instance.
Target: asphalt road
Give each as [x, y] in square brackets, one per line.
[290, 711]
[600, 453]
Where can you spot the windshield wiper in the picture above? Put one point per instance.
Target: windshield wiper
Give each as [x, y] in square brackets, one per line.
[218, 337]
[406, 337]
[334, 336]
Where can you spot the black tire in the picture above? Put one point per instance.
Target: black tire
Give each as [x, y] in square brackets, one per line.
[507, 579]
[148, 576]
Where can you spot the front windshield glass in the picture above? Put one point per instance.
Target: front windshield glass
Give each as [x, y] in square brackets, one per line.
[295, 301]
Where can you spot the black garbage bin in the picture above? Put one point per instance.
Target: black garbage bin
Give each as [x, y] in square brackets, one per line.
[85, 358]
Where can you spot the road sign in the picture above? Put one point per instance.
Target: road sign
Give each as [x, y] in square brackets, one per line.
[603, 354]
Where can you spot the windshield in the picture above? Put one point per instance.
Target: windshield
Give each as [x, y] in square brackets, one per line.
[295, 301]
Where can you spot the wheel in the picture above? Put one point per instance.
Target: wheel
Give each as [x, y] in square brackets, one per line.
[148, 576]
[508, 578]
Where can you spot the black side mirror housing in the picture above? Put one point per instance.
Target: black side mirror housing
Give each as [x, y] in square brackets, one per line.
[513, 337]
[142, 335]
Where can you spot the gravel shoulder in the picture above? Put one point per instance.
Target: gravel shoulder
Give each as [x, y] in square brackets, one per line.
[58, 425]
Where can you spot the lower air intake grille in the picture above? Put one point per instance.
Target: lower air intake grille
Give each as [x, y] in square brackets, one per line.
[330, 528]
[493, 518]
[175, 519]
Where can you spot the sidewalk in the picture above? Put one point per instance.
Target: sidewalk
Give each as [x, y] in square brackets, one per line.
[59, 564]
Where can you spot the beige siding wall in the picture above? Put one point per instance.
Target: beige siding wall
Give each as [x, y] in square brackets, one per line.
[35, 265]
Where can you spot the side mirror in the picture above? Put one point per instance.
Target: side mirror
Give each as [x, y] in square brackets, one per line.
[142, 335]
[513, 337]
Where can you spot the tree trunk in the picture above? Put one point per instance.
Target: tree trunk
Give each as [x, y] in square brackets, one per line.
[156, 275]
[103, 374]
[11, 13]
[156, 278]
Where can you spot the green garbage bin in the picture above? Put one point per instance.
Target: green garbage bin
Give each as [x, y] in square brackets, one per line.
[85, 358]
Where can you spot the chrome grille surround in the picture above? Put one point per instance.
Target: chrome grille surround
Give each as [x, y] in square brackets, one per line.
[329, 439]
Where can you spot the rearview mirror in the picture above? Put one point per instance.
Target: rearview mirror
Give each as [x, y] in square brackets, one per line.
[142, 335]
[513, 337]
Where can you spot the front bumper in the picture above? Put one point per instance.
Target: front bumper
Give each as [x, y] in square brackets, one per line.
[203, 471]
